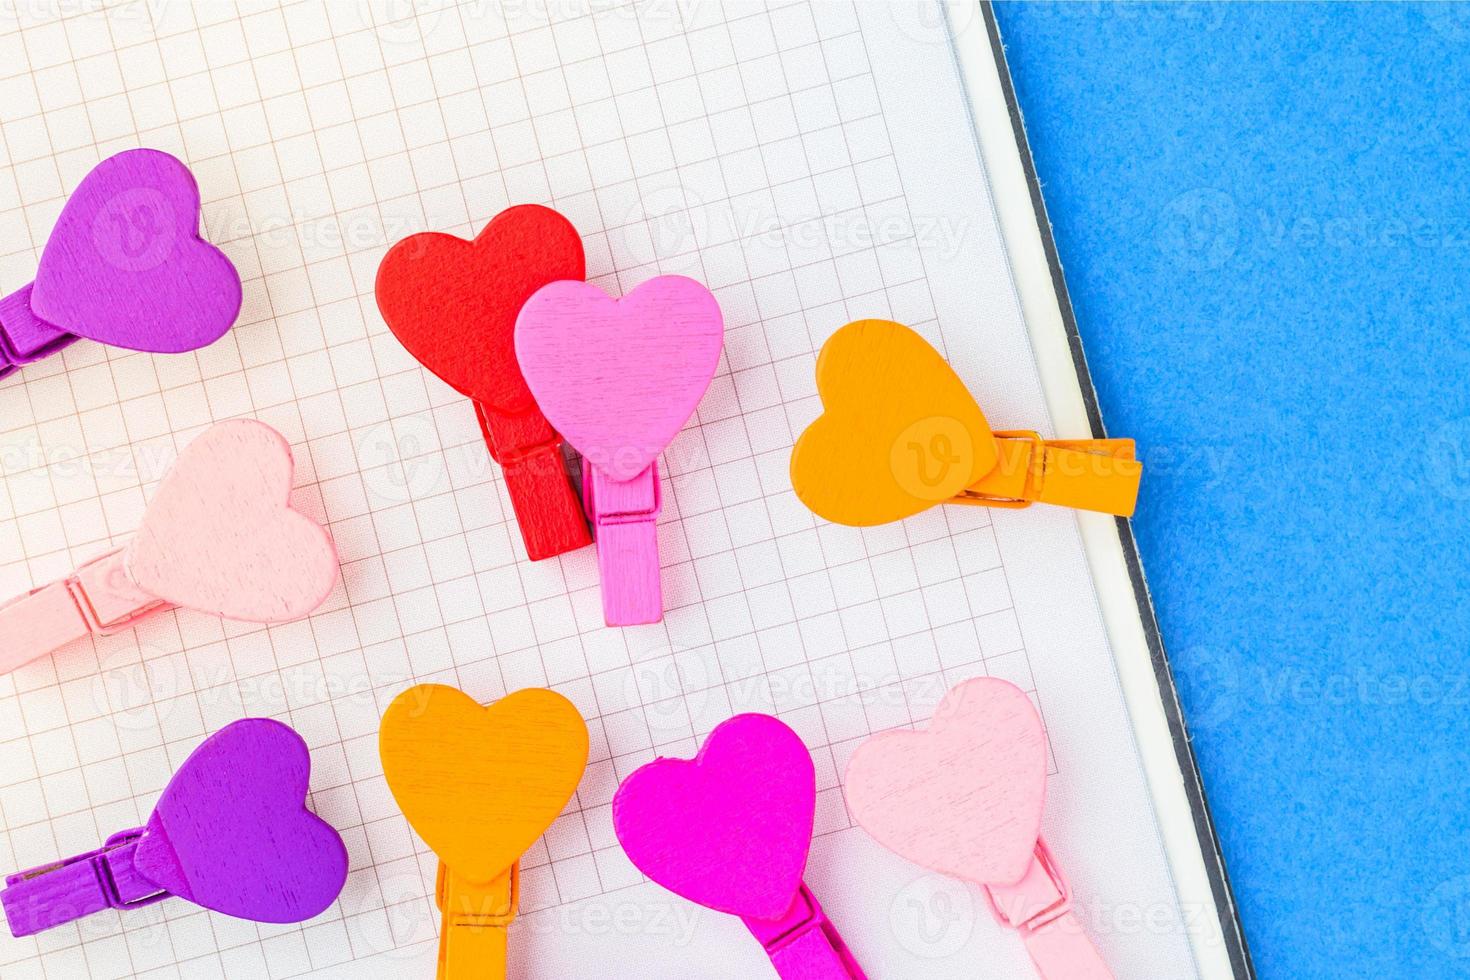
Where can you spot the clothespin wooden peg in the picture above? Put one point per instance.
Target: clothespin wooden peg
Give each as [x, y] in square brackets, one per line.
[730, 830]
[453, 303]
[231, 832]
[619, 378]
[125, 265]
[479, 785]
[900, 434]
[219, 537]
[964, 798]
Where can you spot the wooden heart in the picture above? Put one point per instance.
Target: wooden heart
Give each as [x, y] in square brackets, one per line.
[964, 797]
[480, 784]
[453, 303]
[232, 833]
[125, 264]
[619, 378]
[219, 535]
[899, 434]
[730, 829]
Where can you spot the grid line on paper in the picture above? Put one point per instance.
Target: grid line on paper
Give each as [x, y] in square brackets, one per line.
[751, 616]
[826, 738]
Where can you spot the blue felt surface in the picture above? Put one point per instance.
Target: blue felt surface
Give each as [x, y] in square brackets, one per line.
[1264, 215]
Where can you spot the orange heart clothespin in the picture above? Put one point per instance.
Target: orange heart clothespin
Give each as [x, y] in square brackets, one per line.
[901, 433]
[479, 785]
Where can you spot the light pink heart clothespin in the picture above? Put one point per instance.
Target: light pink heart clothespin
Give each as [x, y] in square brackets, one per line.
[730, 831]
[618, 379]
[964, 798]
[218, 537]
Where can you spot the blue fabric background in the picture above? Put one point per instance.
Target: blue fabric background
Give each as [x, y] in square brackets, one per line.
[1264, 216]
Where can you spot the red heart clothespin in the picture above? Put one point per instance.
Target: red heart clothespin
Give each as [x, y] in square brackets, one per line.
[453, 304]
[218, 537]
[964, 798]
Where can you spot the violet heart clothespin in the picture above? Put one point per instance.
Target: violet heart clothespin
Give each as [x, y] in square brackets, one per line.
[125, 265]
[218, 537]
[231, 832]
[618, 379]
[730, 830]
[964, 798]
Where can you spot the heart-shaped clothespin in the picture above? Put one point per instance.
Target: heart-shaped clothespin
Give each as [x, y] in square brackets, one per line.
[730, 830]
[231, 833]
[125, 265]
[964, 798]
[479, 785]
[218, 537]
[618, 379]
[900, 433]
[453, 304]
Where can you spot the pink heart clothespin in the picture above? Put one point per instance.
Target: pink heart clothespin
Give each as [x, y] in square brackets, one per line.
[218, 537]
[618, 379]
[231, 832]
[730, 830]
[964, 798]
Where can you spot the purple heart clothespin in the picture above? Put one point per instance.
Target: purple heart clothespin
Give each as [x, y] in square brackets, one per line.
[126, 266]
[231, 832]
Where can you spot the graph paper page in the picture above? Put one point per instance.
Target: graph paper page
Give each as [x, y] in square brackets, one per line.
[812, 164]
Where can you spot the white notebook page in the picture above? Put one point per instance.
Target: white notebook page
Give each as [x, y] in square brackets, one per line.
[812, 164]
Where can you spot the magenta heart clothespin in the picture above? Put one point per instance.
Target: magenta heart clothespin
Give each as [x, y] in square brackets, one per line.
[218, 537]
[730, 830]
[126, 266]
[964, 798]
[231, 832]
[618, 379]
